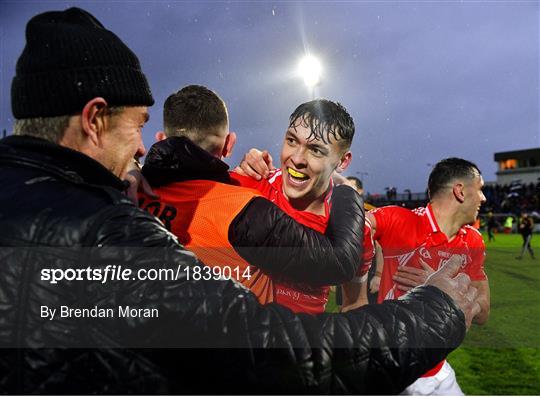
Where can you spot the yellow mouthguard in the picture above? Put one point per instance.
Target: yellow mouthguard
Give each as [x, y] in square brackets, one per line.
[296, 174]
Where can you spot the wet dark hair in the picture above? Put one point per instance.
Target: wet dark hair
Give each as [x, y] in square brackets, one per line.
[325, 119]
[447, 170]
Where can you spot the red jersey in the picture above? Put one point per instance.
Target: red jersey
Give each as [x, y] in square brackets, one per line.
[298, 298]
[407, 235]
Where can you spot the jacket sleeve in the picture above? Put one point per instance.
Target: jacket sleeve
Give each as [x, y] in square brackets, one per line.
[284, 249]
[228, 343]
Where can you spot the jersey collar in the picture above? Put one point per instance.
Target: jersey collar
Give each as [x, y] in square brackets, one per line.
[433, 227]
[432, 222]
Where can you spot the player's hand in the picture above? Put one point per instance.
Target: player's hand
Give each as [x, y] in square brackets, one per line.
[408, 277]
[256, 164]
[374, 284]
[458, 287]
[137, 183]
[353, 306]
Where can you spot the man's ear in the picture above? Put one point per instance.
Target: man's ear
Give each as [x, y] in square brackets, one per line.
[344, 162]
[93, 119]
[459, 193]
[230, 141]
[160, 135]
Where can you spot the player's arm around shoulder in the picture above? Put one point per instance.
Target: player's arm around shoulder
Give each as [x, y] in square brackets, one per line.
[267, 237]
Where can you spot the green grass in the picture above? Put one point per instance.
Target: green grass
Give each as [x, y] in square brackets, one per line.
[503, 356]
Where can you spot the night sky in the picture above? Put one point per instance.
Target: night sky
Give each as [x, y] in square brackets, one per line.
[422, 80]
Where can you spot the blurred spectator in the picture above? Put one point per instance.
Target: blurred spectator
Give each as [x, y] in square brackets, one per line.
[525, 229]
[508, 224]
[491, 224]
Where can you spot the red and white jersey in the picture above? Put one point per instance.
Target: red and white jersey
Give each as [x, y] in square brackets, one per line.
[301, 299]
[407, 235]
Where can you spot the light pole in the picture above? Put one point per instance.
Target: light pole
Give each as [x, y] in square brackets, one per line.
[310, 70]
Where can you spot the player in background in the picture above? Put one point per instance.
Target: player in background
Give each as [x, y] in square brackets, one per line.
[491, 224]
[417, 242]
[316, 144]
[360, 290]
[526, 227]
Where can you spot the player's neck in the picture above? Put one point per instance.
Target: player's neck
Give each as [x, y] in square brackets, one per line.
[311, 203]
[314, 206]
[446, 219]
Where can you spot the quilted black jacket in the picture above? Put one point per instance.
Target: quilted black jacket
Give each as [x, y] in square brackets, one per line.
[210, 337]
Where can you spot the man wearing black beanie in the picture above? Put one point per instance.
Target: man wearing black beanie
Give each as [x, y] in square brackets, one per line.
[73, 66]
[77, 312]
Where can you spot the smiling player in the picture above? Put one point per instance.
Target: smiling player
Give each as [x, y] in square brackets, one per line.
[316, 144]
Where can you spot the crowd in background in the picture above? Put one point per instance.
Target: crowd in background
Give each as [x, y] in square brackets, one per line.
[514, 199]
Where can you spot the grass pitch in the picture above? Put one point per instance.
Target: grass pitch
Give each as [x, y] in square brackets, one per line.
[503, 356]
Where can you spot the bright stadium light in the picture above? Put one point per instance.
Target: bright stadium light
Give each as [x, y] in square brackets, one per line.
[310, 70]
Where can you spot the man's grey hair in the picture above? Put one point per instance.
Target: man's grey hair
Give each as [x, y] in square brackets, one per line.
[51, 129]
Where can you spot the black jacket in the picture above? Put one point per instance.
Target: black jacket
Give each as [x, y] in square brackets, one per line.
[262, 233]
[60, 209]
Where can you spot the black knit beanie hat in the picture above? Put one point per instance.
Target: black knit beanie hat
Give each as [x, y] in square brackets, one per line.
[70, 58]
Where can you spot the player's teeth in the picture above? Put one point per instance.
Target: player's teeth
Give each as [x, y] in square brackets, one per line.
[296, 174]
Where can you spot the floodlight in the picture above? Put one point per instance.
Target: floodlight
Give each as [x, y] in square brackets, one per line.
[310, 70]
